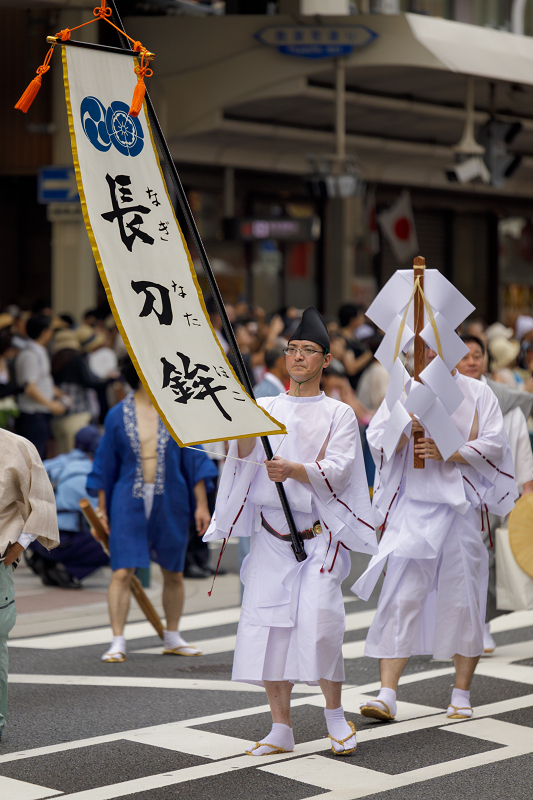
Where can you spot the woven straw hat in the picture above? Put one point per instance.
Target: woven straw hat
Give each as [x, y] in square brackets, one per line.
[6, 320]
[64, 340]
[521, 533]
[88, 338]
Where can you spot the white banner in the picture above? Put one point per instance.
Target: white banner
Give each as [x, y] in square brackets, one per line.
[143, 258]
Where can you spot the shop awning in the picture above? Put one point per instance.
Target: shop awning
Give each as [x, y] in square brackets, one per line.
[226, 99]
[473, 50]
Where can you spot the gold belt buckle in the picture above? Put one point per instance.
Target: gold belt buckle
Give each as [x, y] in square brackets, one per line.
[317, 529]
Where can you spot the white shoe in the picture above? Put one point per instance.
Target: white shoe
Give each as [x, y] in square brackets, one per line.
[489, 645]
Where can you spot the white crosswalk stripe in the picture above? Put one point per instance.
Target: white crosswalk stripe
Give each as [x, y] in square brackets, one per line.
[337, 779]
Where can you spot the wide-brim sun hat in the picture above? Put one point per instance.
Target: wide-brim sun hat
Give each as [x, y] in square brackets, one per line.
[503, 352]
[498, 331]
[521, 533]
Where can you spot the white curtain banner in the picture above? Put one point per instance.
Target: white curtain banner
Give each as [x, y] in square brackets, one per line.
[143, 259]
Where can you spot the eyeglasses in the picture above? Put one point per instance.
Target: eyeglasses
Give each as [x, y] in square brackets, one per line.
[304, 351]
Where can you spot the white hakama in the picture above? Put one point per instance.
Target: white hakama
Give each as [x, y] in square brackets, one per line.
[292, 618]
[434, 593]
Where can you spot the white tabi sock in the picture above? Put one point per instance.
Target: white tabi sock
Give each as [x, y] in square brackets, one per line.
[173, 639]
[339, 729]
[461, 700]
[118, 645]
[385, 701]
[279, 736]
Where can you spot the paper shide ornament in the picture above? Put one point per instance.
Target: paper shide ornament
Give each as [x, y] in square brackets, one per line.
[421, 306]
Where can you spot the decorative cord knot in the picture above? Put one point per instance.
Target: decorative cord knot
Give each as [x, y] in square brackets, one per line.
[138, 47]
[63, 35]
[42, 70]
[102, 12]
[142, 70]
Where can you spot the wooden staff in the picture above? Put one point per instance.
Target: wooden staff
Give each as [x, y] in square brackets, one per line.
[419, 266]
[136, 588]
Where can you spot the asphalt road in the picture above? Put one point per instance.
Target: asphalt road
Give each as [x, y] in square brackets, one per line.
[166, 727]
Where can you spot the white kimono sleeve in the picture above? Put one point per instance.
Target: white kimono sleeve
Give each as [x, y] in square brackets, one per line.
[234, 515]
[389, 469]
[340, 487]
[518, 434]
[491, 478]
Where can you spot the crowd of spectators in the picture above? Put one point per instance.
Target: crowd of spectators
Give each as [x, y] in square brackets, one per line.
[508, 351]
[59, 375]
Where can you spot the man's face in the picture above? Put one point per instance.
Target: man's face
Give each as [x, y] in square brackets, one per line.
[472, 364]
[307, 359]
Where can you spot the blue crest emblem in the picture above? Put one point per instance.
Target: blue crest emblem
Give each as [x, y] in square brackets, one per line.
[112, 126]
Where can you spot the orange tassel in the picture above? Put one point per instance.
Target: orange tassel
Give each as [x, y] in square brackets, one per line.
[33, 89]
[138, 97]
[140, 89]
[29, 95]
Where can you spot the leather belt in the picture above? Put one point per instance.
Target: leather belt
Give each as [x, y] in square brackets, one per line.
[310, 533]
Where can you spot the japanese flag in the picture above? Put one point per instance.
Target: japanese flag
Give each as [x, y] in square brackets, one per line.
[398, 226]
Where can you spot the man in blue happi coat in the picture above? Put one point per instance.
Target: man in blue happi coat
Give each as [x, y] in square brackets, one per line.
[78, 555]
[148, 489]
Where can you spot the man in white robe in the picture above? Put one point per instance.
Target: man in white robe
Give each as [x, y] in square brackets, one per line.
[434, 593]
[292, 619]
[515, 407]
[27, 512]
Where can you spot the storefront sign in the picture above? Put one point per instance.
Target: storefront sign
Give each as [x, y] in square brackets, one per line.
[291, 230]
[318, 41]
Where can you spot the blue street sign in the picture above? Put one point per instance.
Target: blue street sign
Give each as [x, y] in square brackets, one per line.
[317, 41]
[57, 185]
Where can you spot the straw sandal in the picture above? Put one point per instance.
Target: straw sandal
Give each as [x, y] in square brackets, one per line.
[275, 750]
[456, 714]
[341, 741]
[179, 651]
[377, 713]
[114, 658]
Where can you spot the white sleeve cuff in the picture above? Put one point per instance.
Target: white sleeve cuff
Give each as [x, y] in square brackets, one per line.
[398, 423]
[26, 538]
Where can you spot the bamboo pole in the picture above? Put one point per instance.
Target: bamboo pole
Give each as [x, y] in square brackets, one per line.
[419, 266]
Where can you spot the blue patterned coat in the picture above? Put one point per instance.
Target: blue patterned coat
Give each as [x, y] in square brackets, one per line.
[117, 469]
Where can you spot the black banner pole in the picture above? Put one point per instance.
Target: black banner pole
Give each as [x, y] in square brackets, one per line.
[296, 541]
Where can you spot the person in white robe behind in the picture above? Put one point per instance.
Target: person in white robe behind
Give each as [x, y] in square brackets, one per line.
[27, 512]
[292, 619]
[434, 593]
[514, 420]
